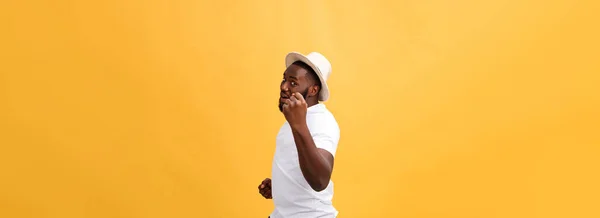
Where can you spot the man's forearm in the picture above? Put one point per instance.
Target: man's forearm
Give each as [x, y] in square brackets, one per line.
[314, 166]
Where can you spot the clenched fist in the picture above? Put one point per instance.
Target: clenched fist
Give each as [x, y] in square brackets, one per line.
[265, 188]
[294, 110]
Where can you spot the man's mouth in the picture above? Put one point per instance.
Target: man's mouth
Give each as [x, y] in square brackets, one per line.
[282, 98]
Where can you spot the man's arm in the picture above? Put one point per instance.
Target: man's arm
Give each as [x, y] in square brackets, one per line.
[316, 164]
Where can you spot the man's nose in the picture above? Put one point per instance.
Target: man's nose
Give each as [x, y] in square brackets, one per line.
[284, 87]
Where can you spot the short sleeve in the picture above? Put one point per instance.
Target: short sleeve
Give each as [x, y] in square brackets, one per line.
[326, 134]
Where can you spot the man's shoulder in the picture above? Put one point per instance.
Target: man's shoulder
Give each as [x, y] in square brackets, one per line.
[327, 116]
[325, 130]
[321, 110]
[323, 120]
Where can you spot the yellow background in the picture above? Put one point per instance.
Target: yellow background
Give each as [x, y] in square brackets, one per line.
[168, 108]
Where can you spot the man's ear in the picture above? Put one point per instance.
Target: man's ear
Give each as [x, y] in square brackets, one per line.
[314, 90]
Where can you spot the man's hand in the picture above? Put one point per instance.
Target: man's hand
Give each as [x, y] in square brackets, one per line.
[294, 110]
[265, 188]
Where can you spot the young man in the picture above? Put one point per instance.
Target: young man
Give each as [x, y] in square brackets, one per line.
[306, 143]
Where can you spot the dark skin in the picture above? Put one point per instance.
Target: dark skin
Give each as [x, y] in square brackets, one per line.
[300, 90]
[265, 188]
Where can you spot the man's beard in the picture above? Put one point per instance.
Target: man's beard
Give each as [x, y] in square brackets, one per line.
[303, 95]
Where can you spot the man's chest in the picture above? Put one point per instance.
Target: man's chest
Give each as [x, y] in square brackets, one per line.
[285, 148]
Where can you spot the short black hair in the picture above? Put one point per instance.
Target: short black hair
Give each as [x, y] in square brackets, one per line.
[312, 75]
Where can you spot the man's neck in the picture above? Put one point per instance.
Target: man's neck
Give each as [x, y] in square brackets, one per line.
[312, 103]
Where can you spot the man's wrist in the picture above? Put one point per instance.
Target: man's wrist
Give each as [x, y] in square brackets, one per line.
[299, 127]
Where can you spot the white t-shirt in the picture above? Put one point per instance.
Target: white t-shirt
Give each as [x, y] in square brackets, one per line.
[292, 195]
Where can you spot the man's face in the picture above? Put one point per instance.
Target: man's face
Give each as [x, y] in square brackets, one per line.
[295, 79]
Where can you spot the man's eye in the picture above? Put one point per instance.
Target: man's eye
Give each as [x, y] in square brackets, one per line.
[294, 83]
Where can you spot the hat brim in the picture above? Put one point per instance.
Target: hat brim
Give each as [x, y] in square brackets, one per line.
[295, 56]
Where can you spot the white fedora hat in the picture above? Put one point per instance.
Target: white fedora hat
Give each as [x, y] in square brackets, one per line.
[318, 63]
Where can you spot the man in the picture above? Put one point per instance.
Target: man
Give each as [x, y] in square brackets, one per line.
[306, 143]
